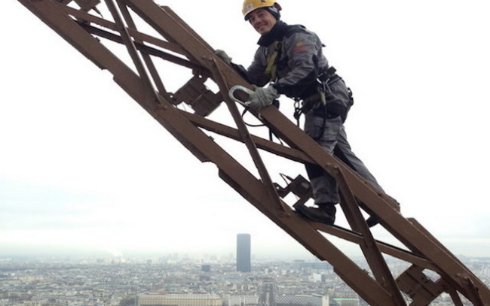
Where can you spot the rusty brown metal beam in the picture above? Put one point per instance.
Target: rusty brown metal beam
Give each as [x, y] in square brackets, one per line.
[87, 18]
[232, 133]
[419, 287]
[384, 247]
[141, 47]
[369, 247]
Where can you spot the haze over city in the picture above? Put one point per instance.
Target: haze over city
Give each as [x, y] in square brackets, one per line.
[83, 169]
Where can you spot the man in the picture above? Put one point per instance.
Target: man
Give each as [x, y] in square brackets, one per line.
[290, 61]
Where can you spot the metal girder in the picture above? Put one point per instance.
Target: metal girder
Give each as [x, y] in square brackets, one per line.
[181, 45]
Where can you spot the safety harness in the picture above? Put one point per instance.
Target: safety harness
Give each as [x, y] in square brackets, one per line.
[322, 98]
[272, 58]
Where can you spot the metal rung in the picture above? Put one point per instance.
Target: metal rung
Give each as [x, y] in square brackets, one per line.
[418, 286]
[194, 93]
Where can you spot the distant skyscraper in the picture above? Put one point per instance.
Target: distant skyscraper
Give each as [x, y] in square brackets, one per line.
[243, 251]
[206, 268]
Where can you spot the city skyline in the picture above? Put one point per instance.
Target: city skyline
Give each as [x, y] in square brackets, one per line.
[119, 283]
[84, 170]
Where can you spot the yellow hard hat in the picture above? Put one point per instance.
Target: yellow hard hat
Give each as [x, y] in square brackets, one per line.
[251, 5]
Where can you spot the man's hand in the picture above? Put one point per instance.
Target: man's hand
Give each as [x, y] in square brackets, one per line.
[262, 97]
[222, 54]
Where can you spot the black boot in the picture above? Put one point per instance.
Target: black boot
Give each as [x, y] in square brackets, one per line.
[372, 221]
[325, 213]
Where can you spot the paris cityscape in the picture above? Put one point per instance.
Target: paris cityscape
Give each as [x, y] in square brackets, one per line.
[179, 279]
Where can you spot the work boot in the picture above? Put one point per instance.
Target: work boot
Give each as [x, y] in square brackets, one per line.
[372, 221]
[325, 213]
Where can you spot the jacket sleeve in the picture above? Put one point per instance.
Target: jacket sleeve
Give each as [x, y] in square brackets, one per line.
[303, 52]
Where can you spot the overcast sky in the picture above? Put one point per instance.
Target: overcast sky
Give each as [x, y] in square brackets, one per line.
[83, 167]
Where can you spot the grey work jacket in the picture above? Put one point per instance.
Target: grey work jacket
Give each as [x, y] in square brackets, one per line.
[298, 65]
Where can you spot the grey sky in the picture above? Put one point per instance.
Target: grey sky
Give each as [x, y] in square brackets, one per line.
[82, 166]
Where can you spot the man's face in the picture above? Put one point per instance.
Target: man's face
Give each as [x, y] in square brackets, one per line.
[262, 20]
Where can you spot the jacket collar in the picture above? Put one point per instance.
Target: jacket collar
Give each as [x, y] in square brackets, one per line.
[275, 34]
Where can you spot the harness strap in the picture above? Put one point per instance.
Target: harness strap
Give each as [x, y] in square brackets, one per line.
[272, 58]
[326, 77]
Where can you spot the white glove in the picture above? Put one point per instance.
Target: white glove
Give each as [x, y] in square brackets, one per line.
[222, 54]
[262, 97]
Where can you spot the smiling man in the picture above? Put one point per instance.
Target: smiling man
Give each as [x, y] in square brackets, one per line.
[263, 20]
[290, 61]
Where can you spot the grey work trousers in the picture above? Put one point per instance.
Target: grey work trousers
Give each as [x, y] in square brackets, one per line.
[330, 134]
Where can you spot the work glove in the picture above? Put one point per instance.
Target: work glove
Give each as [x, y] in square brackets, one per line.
[262, 97]
[222, 54]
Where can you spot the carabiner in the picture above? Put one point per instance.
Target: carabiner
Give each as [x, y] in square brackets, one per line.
[235, 88]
